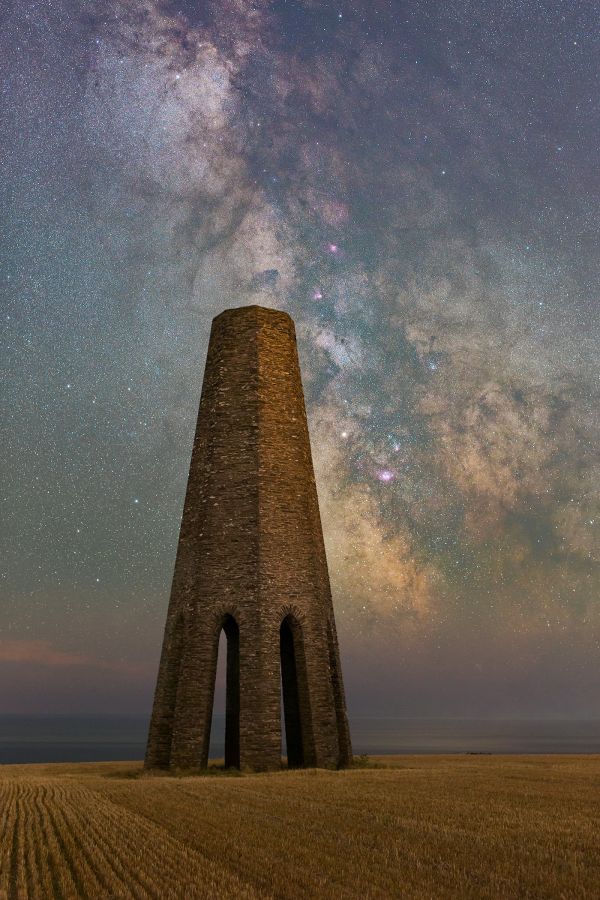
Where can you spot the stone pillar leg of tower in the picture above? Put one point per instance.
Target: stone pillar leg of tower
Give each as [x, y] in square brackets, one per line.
[251, 561]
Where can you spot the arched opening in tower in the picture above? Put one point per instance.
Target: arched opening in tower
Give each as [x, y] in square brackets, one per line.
[296, 708]
[231, 632]
[338, 697]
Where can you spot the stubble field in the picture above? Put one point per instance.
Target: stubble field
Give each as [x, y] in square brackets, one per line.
[415, 827]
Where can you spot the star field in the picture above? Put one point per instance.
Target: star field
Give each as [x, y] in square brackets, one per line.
[416, 184]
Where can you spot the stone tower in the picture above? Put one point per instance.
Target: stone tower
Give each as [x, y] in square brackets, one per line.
[251, 561]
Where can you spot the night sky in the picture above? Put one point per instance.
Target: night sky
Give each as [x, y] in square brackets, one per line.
[417, 184]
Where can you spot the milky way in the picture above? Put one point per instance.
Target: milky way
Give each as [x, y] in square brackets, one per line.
[416, 184]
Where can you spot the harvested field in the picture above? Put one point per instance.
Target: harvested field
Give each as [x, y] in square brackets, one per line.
[463, 826]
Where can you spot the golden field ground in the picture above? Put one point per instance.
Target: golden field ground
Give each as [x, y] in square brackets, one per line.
[416, 826]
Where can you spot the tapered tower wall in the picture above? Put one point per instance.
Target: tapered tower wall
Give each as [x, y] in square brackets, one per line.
[251, 550]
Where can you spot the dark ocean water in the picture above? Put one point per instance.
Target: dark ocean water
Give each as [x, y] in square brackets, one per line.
[30, 739]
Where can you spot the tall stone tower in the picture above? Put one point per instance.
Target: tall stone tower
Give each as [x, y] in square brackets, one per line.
[251, 561]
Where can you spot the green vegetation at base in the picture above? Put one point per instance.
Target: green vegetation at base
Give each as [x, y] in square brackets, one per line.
[413, 827]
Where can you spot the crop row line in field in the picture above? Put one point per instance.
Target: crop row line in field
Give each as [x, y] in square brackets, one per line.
[7, 826]
[62, 841]
[164, 855]
[134, 839]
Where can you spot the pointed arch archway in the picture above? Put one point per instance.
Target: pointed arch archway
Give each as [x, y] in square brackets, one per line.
[296, 701]
[229, 626]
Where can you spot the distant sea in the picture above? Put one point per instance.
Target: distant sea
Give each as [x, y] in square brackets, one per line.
[34, 739]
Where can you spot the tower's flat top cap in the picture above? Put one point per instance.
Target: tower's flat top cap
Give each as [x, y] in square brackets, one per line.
[260, 313]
